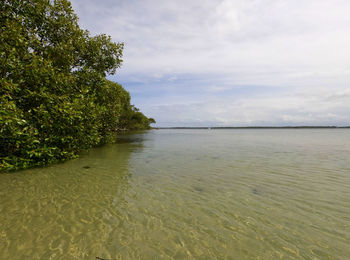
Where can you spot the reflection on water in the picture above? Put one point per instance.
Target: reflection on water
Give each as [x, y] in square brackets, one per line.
[195, 194]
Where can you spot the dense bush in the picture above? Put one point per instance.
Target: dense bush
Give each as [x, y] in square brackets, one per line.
[54, 98]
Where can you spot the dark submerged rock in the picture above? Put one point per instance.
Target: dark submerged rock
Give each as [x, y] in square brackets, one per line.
[196, 188]
[256, 191]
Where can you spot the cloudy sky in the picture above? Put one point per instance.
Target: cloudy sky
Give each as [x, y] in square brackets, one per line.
[230, 62]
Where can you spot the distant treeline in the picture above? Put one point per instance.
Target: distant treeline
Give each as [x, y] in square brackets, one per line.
[255, 127]
[54, 97]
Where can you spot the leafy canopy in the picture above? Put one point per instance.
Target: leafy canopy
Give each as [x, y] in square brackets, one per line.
[54, 98]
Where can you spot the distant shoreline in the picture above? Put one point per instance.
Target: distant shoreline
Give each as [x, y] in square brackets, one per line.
[255, 127]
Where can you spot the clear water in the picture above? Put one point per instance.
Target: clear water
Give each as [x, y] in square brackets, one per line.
[186, 194]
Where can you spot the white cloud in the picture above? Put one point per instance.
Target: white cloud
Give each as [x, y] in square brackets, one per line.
[293, 109]
[295, 45]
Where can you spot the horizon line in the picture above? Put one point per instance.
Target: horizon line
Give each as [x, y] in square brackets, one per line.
[245, 127]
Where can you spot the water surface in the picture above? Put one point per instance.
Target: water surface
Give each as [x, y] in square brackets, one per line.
[186, 194]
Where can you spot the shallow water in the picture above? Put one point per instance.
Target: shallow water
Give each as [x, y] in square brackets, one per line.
[186, 194]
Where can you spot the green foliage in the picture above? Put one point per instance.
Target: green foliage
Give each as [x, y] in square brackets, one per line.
[132, 119]
[54, 98]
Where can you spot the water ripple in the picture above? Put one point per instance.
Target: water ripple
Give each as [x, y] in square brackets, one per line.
[186, 194]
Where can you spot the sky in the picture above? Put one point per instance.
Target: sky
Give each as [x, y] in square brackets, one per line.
[230, 62]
